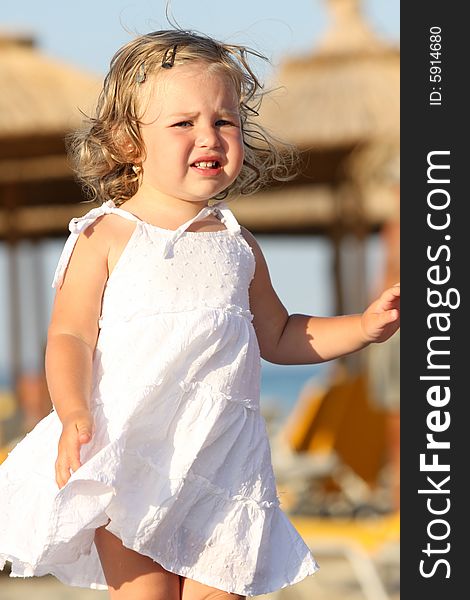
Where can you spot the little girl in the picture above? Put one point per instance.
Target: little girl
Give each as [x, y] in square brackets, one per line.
[152, 476]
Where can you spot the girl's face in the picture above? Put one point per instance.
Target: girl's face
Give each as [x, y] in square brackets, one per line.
[191, 133]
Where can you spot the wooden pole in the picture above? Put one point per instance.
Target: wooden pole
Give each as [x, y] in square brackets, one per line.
[13, 284]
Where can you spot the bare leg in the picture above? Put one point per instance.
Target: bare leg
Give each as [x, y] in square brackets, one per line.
[132, 576]
[193, 590]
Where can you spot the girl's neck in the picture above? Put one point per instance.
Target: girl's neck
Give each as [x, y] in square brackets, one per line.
[162, 210]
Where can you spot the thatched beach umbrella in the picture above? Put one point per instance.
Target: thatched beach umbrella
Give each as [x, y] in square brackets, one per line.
[345, 92]
[39, 103]
[334, 104]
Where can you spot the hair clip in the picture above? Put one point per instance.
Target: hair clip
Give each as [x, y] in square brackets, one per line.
[168, 62]
[141, 74]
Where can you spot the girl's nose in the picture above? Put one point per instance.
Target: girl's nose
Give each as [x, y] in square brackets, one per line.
[207, 138]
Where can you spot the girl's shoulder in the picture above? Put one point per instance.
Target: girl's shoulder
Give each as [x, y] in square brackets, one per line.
[94, 245]
[101, 223]
[107, 237]
[104, 234]
[253, 243]
[108, 223]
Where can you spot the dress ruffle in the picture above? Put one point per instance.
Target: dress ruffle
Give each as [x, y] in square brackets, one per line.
[192, 527]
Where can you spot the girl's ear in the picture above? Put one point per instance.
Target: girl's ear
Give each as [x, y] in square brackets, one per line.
[129, 149]
[125, 147]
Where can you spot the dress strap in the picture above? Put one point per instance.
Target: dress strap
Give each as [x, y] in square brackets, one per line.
[227, 218]
[76, 226]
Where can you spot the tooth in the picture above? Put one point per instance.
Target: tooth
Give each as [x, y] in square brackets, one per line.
[209, 164]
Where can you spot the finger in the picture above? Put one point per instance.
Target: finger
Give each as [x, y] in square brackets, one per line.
[388, 317]
[84, 431]
[389, 298]
[75, 463]
[62, 474]
[73, 454]
[393, 291]
[58, 478]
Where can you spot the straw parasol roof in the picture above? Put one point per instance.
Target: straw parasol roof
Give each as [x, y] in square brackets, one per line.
[40, 103]
[339, 104]
[39, 95]
[346, 91]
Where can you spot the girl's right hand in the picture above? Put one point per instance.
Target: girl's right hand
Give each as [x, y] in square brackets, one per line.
[76, 430]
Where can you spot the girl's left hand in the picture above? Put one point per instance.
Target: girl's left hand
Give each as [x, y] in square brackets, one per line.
[382, 318]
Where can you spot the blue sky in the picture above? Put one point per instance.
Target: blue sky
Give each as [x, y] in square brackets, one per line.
[87, 33]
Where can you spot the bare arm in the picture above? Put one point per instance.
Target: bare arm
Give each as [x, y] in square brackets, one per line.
[71, 340]
[73, 328]
[305, 339]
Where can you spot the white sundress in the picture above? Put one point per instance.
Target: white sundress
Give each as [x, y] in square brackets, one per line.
[180, 459]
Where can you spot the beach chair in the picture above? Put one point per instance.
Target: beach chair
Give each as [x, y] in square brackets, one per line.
[331, 452]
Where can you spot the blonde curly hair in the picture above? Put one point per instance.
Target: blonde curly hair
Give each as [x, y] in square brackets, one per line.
[107, 152]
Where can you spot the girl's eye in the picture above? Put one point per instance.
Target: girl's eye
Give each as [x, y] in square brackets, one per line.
[183, 124]
[222, 122]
